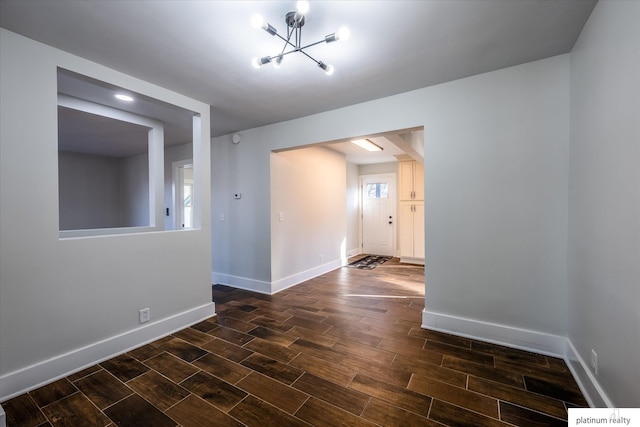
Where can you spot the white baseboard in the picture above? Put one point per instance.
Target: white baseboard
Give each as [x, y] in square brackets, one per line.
[551, 345]
[297, 278]
[34, 376]
[410, 260]
[241, 283]
[592, 391]
[538, 342]
[354, 252]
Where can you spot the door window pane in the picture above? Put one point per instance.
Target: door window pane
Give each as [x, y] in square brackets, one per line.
[379, 190]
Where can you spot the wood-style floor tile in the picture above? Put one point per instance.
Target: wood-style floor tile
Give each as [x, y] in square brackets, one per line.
[459, 352]
[23, 411]
[342, 397]
[193, 336]
[254, 412]
[337, 350]
[566, 392]
[134, 411]
[273, 392]
[385, 414]
[171, 367]
[510, 394]
[272, 336]
[195, 412]
[455, 395]
[398, 396]
[53, 392]
[510, 378]
[222, 368]
[430, 370]
[520, 416]
[321, 414]
[145, 352]
[321, 368]
[227, 350]
[182, 349]
[158, 390]
[124, 367]
[221, 394]
[73, 411]
[103, 389]
[272, 368]
[232, 336]
[451, 415]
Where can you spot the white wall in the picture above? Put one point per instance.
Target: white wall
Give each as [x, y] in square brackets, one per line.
[309, 191]
[378, 168]
[496, 184]
[604, 200]
[353, 210]
[66, 303]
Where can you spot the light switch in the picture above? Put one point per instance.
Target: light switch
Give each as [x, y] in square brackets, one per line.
[281, 216]
[221, 216]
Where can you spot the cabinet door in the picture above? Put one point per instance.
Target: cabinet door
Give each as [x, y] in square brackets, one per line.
[418, 230]
[405, 170]
[405, 229]
[418, 181]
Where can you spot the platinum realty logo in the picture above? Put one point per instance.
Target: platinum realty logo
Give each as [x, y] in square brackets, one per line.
[583, 417]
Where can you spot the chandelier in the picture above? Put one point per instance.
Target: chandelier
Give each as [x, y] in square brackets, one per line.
[293, 41]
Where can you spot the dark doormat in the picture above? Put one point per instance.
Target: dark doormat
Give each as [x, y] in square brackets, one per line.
[369, 262]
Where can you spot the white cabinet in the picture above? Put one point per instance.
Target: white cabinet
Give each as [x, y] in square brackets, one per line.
[411, 177]
[411, 232]
[411, 213]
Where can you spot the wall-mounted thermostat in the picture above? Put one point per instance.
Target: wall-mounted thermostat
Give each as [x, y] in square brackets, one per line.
[237, 195]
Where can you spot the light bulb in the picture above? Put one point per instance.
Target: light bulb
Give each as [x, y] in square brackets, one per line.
[343, 34]
[123, 97]
[259, 62]
[328, 69]
[302, 7]
[278, 62]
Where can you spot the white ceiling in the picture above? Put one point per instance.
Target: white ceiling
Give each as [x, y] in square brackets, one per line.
[203, 49]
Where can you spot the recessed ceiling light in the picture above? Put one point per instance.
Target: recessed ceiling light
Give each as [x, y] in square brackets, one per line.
[123, 97]
[366, 144]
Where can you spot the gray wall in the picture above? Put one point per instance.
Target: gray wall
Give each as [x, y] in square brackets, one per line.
[89, 191]
[604, 199]
[102, 192]
[66, 303]
[496, 182]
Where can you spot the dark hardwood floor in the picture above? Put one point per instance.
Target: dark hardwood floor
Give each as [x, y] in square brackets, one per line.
[343, 349]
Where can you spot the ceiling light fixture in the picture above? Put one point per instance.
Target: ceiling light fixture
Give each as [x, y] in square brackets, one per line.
[123, 97]
[366, 144]
[295, 22]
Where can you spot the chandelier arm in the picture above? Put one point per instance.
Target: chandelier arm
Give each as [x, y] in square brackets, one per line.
[313, 44]
[310, 57]
[287, 42]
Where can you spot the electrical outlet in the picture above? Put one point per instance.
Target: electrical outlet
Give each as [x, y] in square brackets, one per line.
[594, 361]
[145, 315]
[321, 258]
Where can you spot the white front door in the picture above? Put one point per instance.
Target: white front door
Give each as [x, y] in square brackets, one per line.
[378, 214]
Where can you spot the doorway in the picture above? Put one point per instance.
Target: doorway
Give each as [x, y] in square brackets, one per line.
[183, 193]
[378, 204]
